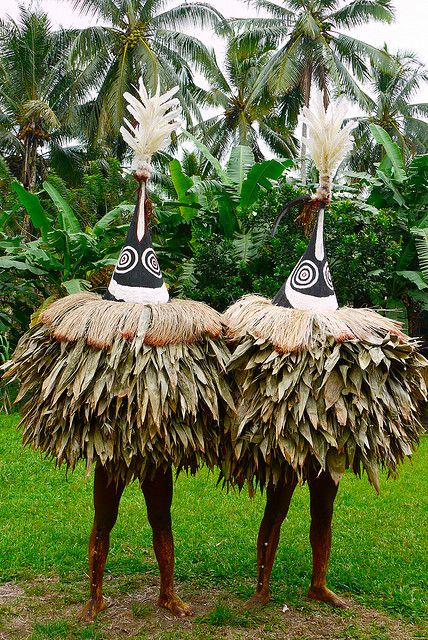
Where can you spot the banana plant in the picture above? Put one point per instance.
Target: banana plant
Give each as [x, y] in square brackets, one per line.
[222, 204]
[418, 278]
[404, 188]
[64, 254]
[233, 190]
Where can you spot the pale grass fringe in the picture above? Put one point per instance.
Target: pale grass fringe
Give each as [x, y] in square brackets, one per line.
[99, 321]
[295, 329]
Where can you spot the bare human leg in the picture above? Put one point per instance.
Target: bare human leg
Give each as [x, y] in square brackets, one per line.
[158, 495]
[277, 504]
[106, 503]
[323, 491]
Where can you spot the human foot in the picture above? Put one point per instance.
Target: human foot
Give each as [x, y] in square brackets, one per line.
[259, 599]
[176, 606]
[91, 609]
[322, 594]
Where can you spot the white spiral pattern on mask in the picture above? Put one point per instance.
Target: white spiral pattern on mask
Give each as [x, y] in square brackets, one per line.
[327, 277]
[150, 262]
[127, 260]
[305, 275]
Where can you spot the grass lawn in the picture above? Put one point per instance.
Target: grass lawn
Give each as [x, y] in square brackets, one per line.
[379, 560]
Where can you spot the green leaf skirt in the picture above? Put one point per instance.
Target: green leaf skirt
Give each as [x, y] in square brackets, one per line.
[335, 392]
[134, 402]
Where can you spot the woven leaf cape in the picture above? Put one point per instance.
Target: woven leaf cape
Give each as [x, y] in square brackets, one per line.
[335, 390]
[133, 386]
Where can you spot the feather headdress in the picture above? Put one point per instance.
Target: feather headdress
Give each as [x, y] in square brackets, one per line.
[137, 276]
[329, 139]
[156, 118]
[309, 285]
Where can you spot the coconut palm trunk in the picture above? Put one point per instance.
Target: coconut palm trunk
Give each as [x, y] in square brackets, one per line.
[29, 166]
[306, 90]
[29, 175]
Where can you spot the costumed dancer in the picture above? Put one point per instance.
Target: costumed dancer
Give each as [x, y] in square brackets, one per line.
[133, 382]
[319, 388]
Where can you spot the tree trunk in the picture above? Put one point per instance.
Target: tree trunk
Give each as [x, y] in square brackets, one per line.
[324, 87]
[306, 87]
[29, 176]
[29, 168]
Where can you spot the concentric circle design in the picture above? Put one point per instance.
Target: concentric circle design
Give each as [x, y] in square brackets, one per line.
[127, 260]
[150, 262]
[305, 275]
[327, 277]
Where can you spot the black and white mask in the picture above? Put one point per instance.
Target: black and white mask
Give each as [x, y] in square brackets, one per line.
[309, 286]
[137, 276]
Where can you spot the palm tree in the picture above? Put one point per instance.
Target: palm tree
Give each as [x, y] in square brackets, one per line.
[391, 107]
[312, 47]
[247, 116]
[141, 38]
[38, 93]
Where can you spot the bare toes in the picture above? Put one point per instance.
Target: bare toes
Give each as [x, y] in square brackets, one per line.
[176, 606]
[322, 594]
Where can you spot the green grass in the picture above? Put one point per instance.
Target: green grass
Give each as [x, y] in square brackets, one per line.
[140, 610]
[379, 542]
[62, 629]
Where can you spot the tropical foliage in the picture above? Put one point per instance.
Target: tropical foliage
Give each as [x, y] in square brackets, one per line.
[391, 108]
[66, 193]
[141, 38]
[311, 47]
[248, 116]
[64, 252]
[64, 258]
[403, 187]
[39, 95]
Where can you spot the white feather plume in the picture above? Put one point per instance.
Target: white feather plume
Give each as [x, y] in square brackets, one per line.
[328, 141]
[156, 118]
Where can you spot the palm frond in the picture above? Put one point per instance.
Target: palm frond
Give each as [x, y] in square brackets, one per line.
[40, 109]
[308, 26]
[277, 11]
[280, 140]
[360, 12]
[281, 74]
[421, 241]
[89, 42]
[191, 50]
[349, 87]
[195, 14]
[110, 10]
[378, 57]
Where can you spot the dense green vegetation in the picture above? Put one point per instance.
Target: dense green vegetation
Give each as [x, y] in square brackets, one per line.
[66, 194]
[213, 234]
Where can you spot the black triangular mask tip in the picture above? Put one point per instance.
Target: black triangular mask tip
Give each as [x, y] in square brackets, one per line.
[137, 276]
[309, 286]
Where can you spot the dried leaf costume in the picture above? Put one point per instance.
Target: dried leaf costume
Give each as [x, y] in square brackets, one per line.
[135, 386]
[133, 381]
[319, 389]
